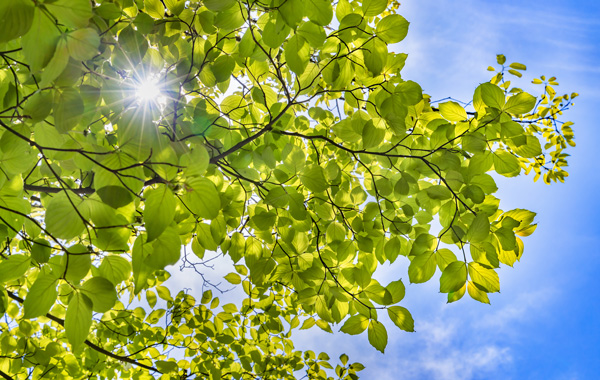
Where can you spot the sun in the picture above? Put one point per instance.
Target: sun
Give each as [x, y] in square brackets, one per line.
[148, 90]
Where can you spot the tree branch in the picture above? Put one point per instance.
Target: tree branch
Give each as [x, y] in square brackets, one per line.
[248, 140]
[5, 376]
[81, 190]
[93, 346]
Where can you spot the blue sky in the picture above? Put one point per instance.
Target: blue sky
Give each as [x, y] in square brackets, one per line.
[545, 322]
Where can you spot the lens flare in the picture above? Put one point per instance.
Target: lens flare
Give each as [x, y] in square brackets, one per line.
[149, 90]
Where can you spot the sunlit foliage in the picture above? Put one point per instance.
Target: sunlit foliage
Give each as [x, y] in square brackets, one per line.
[278, 135]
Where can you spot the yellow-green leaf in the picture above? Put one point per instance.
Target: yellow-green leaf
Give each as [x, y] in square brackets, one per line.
[392, 28]
[453, 111]
[485, 278]
[13, 267]
[78, 319]
[159, 210]
[453, 277]
[401, 318]
[377, 335]
[16, 17]
[41, 296]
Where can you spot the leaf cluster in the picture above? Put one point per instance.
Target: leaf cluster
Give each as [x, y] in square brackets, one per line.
[284, 141]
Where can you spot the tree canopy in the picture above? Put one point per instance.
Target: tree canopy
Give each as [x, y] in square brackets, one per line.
[277, 134]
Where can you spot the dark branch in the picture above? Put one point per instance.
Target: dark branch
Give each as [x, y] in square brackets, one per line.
[93, 346]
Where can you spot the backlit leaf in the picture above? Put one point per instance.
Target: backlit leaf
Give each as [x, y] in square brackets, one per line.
[159, 210]
[401, 318]
[13, 267]
[78, 319]
[377, 335]
[453, 111]
[392, 28]
[41, 296]
[101, 292]
[453, 277]
[16, 17]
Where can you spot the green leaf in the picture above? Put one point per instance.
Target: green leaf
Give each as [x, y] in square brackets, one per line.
[376, 54]
[222, 68]
[175, 6]
[372, 8]
[108, 11]
[3, 302]
[313, 178]
[506, 164]
[273, 35]
[477, 294]
[485, 278]
[233, 278]
[520, 104]
[439, 192]
[39, 43]
[530, 149]
[229, 19]
[62, 218]
[455, 296]
[492, 95]
[518, 66]
[408, 92]
[38, 106]
[372, 134]
[78, 319]
[139, 263]
[453, 111]
[83, 44]
[397, 290]
[115, 196]
[204, 237]
[101, 292]
[114, 268]
[57, 64]
[159, 210]
[506, 237]
[202, 198]
[453, 277]
[291, 11]
[524, 217]
[68, 110]
[72, 13]
[13, 267]
[392, 28]
[41, 296]
[314, 34]
[133, 47]
[40, 250]
[479, 228]
[443, 257]
[167, 366]
[422, 268]
[297, 53]
[218, 5]
[195, 162]
[319, 11]
[356, 324]
[401, 318]
[154, 8]
[377, 335]
[16, 17]
[77, 262]
[166, 249]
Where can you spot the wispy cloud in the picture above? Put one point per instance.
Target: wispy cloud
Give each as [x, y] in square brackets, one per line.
[462, 341]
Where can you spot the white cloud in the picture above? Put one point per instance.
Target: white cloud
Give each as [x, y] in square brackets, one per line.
[523, 308]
